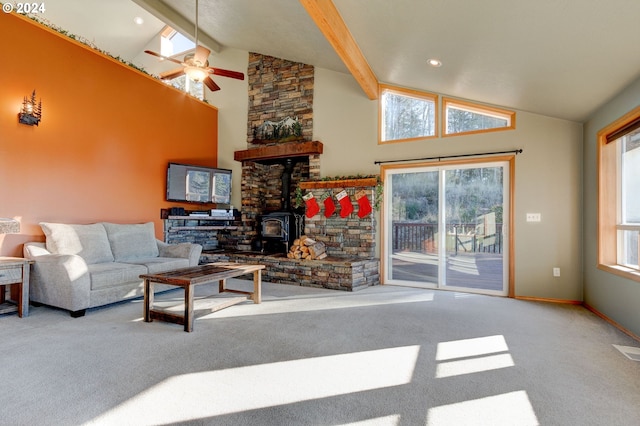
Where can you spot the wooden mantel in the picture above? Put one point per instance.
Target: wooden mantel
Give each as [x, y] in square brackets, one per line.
[281, 150]
[342, 183]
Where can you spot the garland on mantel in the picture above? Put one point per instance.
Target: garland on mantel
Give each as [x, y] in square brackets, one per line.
[299, 201]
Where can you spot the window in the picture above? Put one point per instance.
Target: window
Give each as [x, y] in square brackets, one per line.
[618, 203]
[465, 117]
[194, 88]
[406, 115]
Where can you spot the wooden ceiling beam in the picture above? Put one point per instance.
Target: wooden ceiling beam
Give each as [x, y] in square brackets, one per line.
[331, 24]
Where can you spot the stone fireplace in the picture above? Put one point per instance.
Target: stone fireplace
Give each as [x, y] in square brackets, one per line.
[270, 176]
[273, 171]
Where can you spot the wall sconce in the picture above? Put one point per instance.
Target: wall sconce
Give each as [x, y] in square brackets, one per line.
[30, 113]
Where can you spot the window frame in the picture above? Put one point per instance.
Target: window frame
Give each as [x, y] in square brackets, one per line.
[491, 111]
[412, 94]
[609, 169]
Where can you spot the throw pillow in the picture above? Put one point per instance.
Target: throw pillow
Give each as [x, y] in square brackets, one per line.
[87, 241]
[132, 241]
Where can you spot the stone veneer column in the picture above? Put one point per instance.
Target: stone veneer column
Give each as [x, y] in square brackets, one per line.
[278, 89]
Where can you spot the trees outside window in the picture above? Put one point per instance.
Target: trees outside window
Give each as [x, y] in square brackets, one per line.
[406, 114]
[466, 117]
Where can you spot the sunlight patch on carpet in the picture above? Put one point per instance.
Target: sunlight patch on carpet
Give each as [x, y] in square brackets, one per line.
[513, 408]
[341, 301]
[629, 351]
[386, 420]
[475, 365]
[472, 356]
[471, 347]
[208, 394]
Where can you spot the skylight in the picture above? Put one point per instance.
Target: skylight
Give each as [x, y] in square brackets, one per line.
[173, 42]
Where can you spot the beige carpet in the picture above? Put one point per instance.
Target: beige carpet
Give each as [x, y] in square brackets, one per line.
[382, 356]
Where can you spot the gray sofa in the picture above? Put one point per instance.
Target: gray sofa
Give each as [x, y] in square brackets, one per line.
[85, 266]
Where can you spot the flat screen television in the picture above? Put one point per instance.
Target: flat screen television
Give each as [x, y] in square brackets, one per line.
[198, 184]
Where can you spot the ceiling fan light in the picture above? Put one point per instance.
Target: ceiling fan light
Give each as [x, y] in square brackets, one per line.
[195, 73]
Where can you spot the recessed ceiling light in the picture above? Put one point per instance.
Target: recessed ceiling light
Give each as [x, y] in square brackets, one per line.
[434, 62]
[138, 20]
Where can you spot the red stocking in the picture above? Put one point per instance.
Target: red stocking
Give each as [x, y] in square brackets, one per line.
[329, 207]
[345, 203]
[311, 205]
[364, 206]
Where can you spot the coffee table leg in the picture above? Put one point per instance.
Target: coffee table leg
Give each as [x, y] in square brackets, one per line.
[188, 308]
[257, 286]
[222, 285]
[148, 299]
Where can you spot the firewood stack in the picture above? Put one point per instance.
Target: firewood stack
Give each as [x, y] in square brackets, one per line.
[307, 248]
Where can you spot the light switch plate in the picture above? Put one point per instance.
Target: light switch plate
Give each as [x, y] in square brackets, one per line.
[534, 217]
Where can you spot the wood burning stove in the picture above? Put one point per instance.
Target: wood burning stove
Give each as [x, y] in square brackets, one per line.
[279, 229]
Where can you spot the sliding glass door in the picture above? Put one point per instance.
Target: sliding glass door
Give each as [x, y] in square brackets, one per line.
[445, 226]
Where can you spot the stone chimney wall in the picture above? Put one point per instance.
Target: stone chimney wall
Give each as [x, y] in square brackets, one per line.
[278, 89]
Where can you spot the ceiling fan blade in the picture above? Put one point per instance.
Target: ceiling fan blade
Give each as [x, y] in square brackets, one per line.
[211, 84]
[202, 55]
[226, 73]
[172, 74]
[163, 57]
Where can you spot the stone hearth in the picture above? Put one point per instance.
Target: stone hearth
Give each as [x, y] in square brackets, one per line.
[336, 273]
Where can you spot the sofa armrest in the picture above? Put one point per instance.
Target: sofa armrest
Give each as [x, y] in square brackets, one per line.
[60, 280]
[184, 250]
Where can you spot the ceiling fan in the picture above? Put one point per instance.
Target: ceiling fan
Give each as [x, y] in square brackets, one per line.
[196, 66]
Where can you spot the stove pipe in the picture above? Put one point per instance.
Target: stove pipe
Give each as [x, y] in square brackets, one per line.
[286, 184]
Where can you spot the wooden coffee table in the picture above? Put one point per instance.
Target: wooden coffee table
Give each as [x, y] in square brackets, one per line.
[187, 278]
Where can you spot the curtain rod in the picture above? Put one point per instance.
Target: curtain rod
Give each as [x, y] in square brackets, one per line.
[440, 157]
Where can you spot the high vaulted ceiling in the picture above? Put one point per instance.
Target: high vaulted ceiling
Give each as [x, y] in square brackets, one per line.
[561, 58]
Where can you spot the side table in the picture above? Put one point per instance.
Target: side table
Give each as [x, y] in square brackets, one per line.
[14, 272]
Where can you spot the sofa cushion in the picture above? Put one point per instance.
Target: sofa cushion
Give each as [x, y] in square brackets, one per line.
[87, 241]
[156, 265]
[132, 241]
[114, 274]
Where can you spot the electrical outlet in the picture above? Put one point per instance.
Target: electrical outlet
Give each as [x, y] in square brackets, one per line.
[534, 217]
[556, 272]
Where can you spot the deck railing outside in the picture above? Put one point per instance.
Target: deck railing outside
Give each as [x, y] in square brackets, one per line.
[422, 238]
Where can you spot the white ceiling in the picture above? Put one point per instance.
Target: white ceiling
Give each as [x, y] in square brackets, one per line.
[107, 24]
[561, 58]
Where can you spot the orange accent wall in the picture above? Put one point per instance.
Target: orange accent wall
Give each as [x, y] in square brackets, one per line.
[107, 133]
